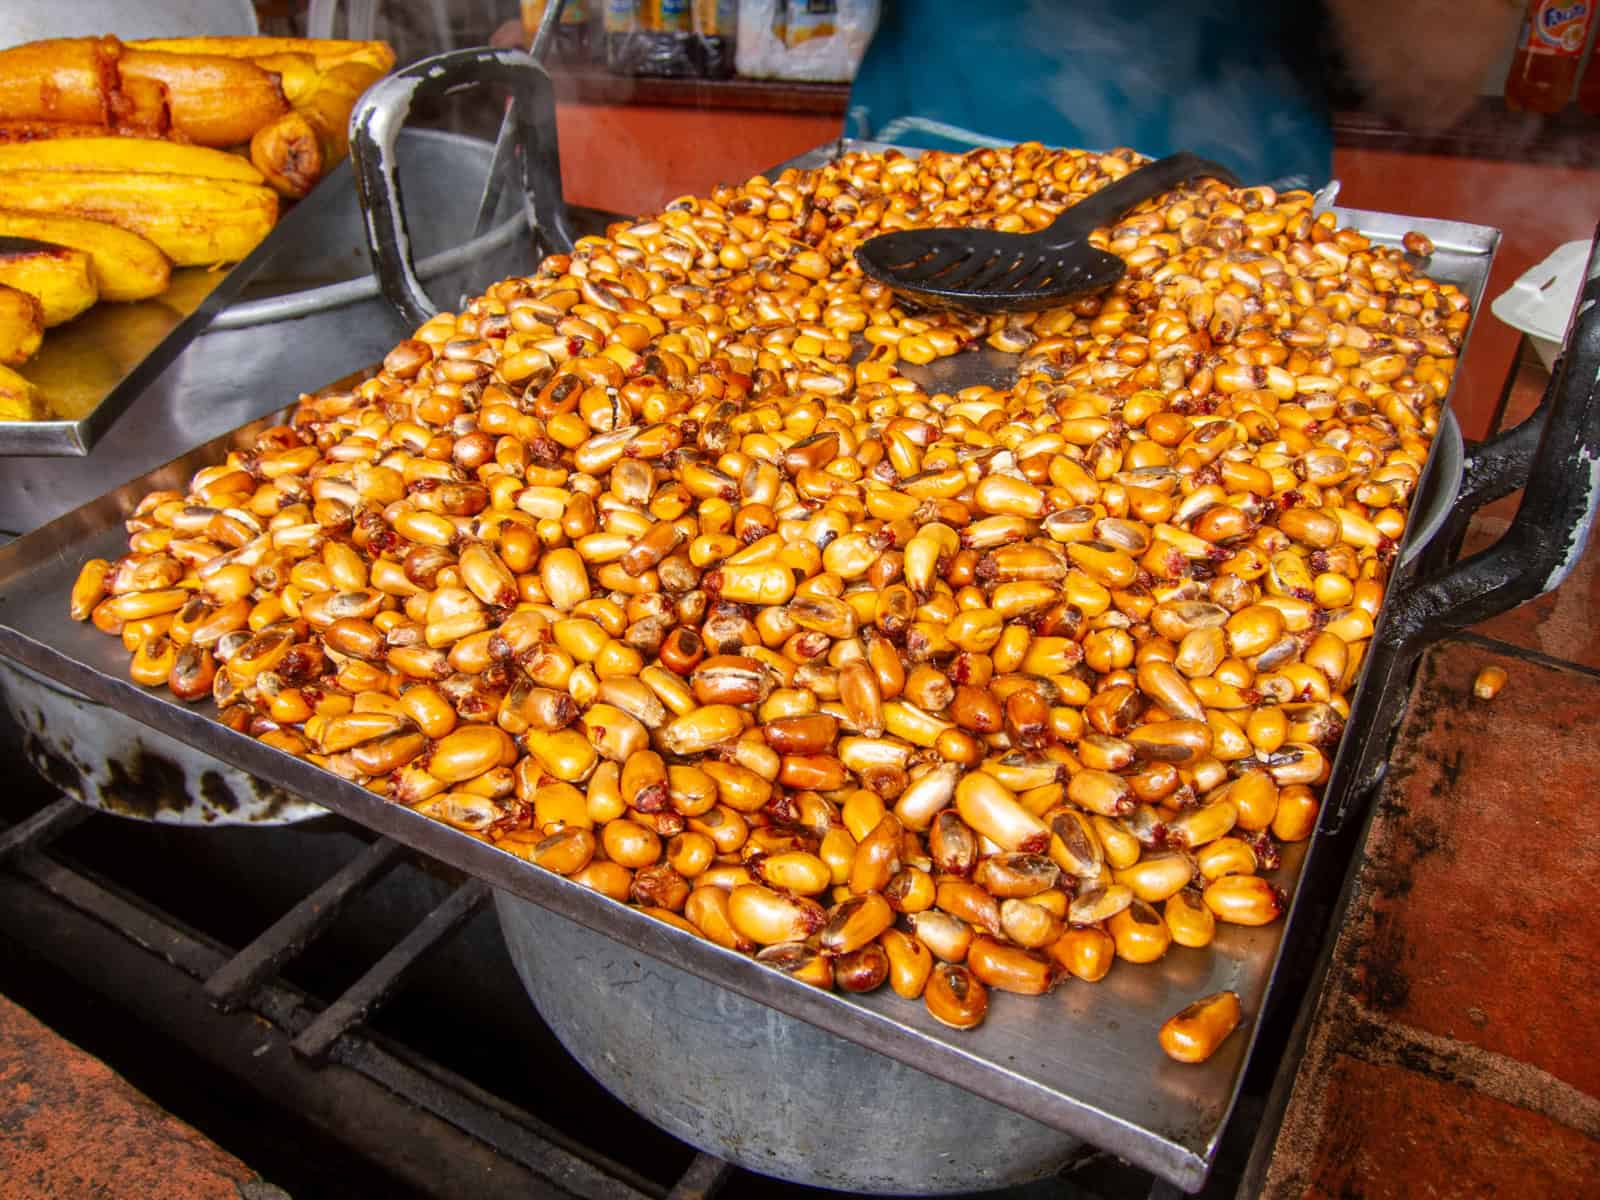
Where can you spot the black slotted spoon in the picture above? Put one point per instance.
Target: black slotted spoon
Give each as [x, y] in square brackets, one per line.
[986, 271]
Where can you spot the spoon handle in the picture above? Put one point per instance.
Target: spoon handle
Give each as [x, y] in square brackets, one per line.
[1105, 206]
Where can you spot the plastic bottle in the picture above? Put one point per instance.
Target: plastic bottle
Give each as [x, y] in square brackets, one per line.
[620, 24]
[1549, 51]
[1589, 89]
[650, 37]
[716, 24]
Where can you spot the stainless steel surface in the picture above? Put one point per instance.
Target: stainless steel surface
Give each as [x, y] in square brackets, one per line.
[327, 320]
[26, 20]
[335, 269]
[92, 369]
[89, 371]
[764, 1091]
[110, 762]
[1084, 1060]
[505, 141]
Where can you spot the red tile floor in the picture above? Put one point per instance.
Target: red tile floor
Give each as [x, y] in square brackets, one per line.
[1453, 1049]
[72, 1129]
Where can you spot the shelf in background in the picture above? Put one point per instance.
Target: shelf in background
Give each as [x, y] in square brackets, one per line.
[1489, 130]
[591, 85]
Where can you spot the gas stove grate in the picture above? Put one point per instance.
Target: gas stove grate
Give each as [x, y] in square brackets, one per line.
[393, 1106]
[296, 1050]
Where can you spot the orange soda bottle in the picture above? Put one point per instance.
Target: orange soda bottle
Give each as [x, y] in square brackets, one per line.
[1549, 51]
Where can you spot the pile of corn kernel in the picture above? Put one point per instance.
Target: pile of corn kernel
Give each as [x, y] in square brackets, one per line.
[657, 570]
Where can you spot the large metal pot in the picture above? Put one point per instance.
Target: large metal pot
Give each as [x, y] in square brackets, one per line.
[773, 1094]
[113, 763]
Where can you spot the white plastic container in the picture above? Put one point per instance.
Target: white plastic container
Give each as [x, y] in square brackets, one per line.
[790, 39]
[1540, 303]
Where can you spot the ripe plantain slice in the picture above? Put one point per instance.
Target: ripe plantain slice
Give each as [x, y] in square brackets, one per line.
[126, 266]
[60, 278]
[19, 399]
[21, 326]
[195, 222]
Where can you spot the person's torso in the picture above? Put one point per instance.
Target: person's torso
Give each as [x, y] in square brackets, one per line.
[1233, 80]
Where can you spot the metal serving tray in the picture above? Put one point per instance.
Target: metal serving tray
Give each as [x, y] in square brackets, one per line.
[312, 268]
[91, 369]
[1084, 1059]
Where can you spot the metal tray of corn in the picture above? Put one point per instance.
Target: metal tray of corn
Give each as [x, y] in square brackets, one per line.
[1084, 1059]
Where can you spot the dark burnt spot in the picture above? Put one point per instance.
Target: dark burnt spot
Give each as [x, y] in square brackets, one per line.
[216, 792]
[1388, 987]
[58, 771]
[144, 784]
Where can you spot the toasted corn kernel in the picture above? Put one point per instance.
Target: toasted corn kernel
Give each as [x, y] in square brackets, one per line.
[1193, 1034]
[1086, 954]
[1140, 934]
[1244, 900]
[954, 996]
[767, 917]
[910, 963]
[991, 809]
[1188, 919]
[1488, 682]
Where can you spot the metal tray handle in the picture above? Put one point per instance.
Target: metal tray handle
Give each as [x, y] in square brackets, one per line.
[375, 128]
[1554, 456]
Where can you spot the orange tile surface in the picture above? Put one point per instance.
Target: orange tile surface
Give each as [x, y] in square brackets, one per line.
[72, 1129]
[1402, 1134]
[632, 158]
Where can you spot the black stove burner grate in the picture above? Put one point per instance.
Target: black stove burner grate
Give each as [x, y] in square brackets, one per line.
[338, 1067]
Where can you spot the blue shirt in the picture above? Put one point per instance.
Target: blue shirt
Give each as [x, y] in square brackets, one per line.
[1237, 81]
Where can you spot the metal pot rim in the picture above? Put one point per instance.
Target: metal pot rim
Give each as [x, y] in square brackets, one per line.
[350, 291]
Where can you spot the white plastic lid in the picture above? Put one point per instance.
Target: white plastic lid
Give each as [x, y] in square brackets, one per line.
[1540, 303]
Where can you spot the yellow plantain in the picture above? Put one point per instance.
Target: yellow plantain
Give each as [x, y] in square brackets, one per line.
[328, 106]
[126, 154]
[289, 153]
[60, 278]
[59, 79]
[214, 100]
[19, 401]
[297, 73]
[126, 266]
[327, 52]
[195, 222]
[44, 131]
[307, 142]
[21, 326]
